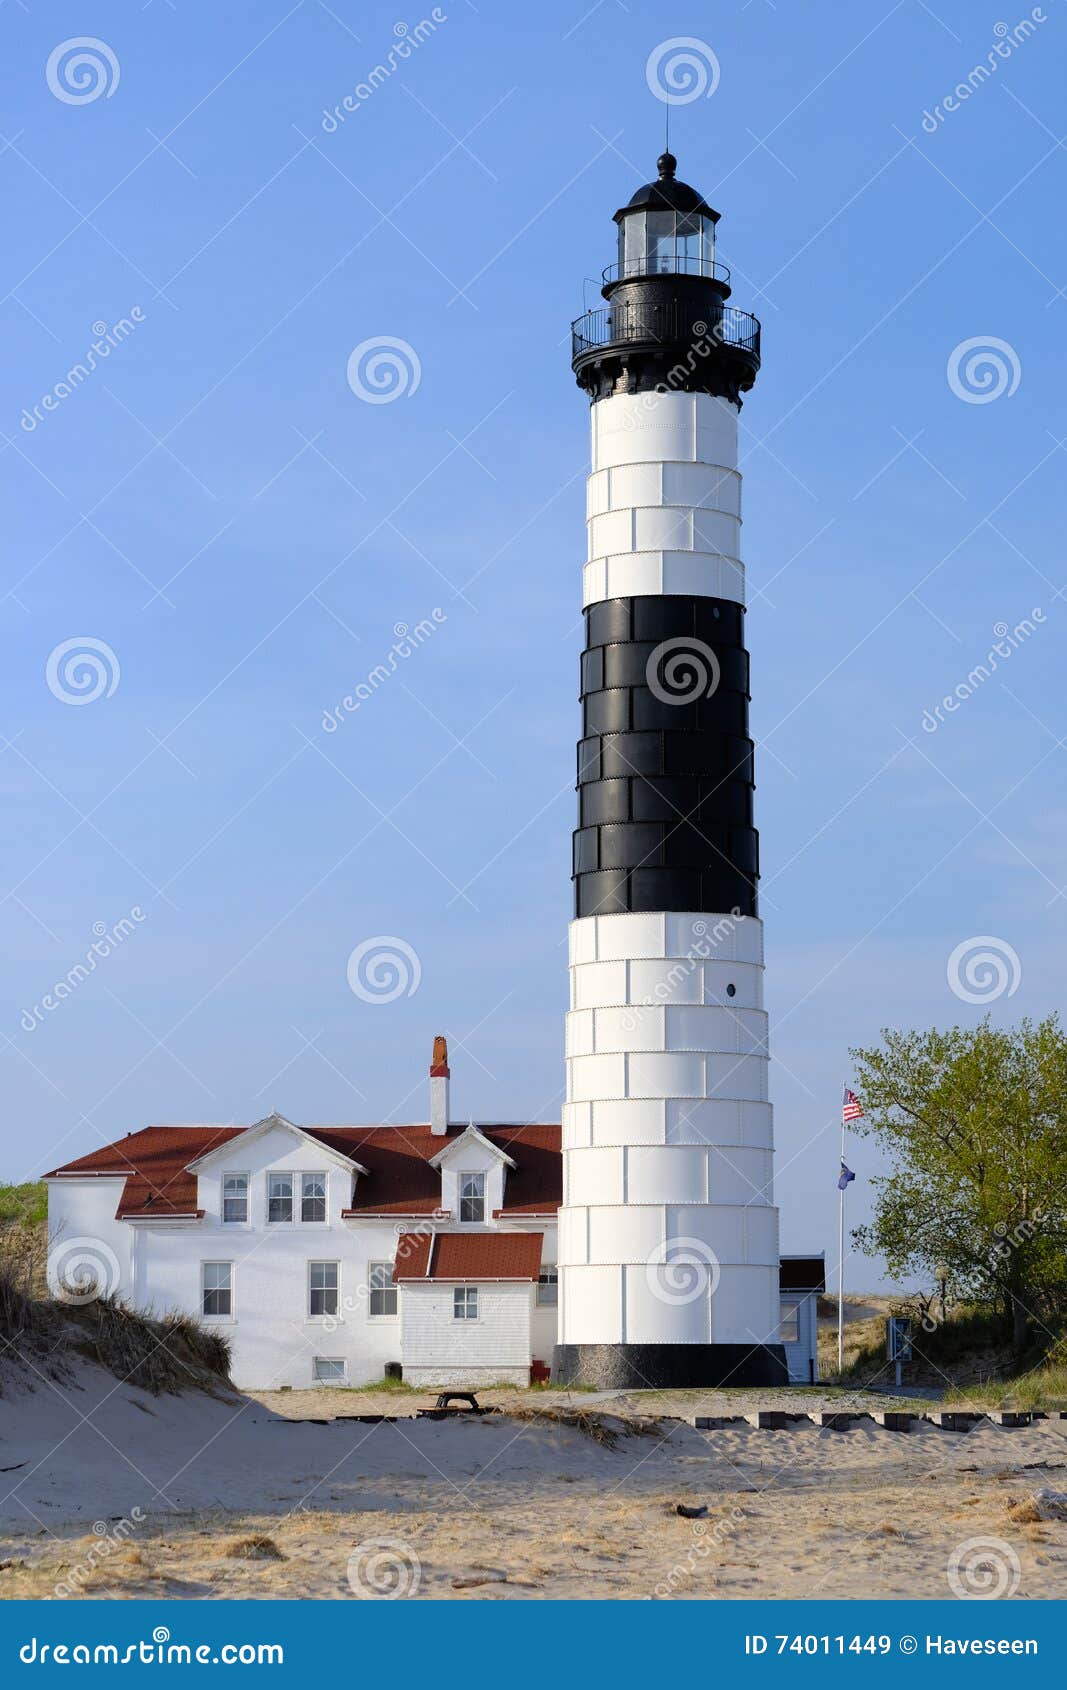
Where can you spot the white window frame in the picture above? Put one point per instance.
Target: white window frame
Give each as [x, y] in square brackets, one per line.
[475, 1174]
[317, 1174]
[231, 1316]
[792, 1303]
[234, 1174]
[469, 1294]
[382, 1290]
[279, 1174]
[334, 1361]
[549, 1275]
[323, 1290]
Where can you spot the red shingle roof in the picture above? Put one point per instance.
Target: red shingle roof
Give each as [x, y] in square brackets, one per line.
[399, 1180]
[154, 1161]
[468, 1255]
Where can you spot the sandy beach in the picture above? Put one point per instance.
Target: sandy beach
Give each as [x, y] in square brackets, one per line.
[108, 1491]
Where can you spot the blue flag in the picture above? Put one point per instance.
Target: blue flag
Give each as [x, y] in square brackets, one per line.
[846, 1176]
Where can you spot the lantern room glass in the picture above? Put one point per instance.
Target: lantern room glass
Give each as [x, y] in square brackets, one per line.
[653, 243]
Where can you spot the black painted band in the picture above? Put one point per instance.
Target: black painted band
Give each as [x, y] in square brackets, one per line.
[665, 763]
[638, 1367]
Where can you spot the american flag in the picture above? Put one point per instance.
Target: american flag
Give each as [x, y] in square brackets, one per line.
[851, 1107]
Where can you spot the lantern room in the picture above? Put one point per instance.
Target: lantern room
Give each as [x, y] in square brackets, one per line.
[667, 229]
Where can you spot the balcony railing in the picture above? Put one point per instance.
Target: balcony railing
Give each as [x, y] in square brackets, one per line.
[674, 322]
[665, 265]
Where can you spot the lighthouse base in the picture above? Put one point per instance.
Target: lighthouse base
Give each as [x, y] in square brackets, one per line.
[668, 1367]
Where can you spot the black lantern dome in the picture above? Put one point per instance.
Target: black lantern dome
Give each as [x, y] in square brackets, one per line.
[667, 321]
[667, 228]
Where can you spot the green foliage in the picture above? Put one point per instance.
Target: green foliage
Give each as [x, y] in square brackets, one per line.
[24, 1204]
[975, 1124]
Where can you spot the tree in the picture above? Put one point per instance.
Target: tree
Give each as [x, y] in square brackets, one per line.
[975, 1124]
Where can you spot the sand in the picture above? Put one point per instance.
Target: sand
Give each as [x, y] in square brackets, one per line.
[117, 1493]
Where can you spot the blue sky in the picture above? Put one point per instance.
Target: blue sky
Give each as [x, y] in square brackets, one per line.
[243, 533]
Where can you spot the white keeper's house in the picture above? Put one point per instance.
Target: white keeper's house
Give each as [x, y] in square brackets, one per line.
[340, 1254]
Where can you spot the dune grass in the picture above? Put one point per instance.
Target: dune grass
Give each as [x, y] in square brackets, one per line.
[171, 1352]
[1042, 1388]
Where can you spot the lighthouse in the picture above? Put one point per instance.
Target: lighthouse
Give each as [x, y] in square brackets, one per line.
[668, 1234]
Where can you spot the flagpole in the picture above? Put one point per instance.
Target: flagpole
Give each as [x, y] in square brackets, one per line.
[841, 1254]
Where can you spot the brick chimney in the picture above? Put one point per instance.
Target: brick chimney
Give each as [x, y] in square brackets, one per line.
[439, 1078]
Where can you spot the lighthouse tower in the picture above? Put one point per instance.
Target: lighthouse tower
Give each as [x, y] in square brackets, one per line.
[668, 1240]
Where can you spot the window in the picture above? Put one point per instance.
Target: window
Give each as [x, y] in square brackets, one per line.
[313, 1197]
[322, 1288]
[789, 1321]
[548, 1288]
[465, 1302]
[217, 1297]
[235, 1197]
[329, 1370]
[472, 1197]
[382, 1289]
[279, 1197]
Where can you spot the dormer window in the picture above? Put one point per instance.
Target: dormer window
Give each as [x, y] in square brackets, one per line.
[472, 1197]
[235, 1197]
[313, 1197]
[279, 1198]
